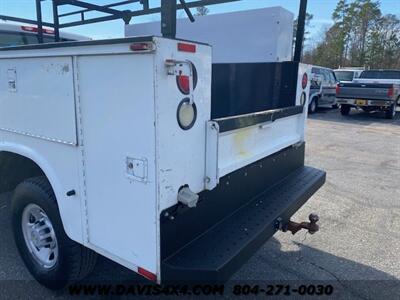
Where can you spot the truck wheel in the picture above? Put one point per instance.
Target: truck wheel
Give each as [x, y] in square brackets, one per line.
[51, 257]
[313, 106]
[345, 109]
[391, 112]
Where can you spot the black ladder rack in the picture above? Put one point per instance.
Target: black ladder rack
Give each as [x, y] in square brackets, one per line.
[168, 9]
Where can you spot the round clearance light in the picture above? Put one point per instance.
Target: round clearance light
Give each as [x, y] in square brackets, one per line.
[186, 114]
[304, 81]
[303, 99]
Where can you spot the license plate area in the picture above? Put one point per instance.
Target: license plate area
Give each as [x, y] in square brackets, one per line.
[361, 102]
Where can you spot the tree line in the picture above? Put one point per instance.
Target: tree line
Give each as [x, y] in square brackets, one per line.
[360, 37]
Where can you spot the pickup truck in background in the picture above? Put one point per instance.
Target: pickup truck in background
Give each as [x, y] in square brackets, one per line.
[375, 90]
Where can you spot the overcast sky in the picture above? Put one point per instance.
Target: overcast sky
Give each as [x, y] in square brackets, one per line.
[321, 9]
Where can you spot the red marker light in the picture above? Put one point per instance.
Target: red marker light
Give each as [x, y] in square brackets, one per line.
[35, 29]
[304, 81]
[142, 46]
[29, 28]
[48, 31]
[184, 47]
[147, 274]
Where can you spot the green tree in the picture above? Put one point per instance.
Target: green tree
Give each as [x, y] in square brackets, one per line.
[343, 21]
[383, 46]
[366, 14]
[360, 36]
[309, 18]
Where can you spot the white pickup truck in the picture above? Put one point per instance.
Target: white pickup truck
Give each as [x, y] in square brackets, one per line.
[142, 150]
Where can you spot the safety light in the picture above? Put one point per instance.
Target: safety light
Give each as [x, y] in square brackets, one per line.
[183, 84]
[186, 114]
[35, 29]
[337, 89]
[303, 99]
[304, 81]
[142, 47]
[184, 47]
[183, 81]
[390, 92]
[147, 274]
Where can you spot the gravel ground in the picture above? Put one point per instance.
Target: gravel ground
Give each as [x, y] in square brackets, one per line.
[357, 250]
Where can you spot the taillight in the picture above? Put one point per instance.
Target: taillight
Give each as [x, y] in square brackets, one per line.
[304, 81]
[183, 82]
[337, 89]
[390, 92]
[147, 274]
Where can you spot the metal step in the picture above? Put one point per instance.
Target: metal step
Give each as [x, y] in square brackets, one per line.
[219, 252]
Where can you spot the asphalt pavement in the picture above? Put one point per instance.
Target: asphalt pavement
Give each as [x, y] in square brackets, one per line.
[357, 250]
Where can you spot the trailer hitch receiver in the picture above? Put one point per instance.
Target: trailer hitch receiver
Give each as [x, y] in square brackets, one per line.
[295, 227]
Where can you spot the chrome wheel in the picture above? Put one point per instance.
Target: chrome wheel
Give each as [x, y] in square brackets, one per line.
[39, 236]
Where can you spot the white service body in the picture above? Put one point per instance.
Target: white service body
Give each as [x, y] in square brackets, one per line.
[259, 35]
[85, 114]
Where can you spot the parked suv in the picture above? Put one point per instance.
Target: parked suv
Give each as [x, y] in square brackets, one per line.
[323, 89]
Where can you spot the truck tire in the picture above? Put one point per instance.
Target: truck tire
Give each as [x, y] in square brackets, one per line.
[51, 257]
[391, 112]
[313, 106]
[345, 109]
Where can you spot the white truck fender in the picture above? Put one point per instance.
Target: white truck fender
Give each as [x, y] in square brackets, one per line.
[72, 225]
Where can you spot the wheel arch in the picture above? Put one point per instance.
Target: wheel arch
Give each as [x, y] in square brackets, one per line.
[37, 165]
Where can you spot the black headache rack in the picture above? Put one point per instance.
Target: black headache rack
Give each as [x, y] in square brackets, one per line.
[113, 11]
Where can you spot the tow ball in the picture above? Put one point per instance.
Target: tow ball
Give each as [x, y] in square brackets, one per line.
[294, 227]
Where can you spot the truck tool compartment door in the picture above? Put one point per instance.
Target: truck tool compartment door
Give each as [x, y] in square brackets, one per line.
[33, 109]
[118, 130]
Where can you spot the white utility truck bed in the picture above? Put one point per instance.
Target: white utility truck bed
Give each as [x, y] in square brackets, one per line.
[143, 150]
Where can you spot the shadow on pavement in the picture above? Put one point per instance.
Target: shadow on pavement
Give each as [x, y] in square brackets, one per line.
[296, 264]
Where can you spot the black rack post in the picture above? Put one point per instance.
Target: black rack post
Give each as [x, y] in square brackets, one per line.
[301, 24]
[56, 21]
[168, 18]
[39, 20]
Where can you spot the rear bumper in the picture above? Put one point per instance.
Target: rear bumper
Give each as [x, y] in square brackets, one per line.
[374, 103]
[216, 253]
